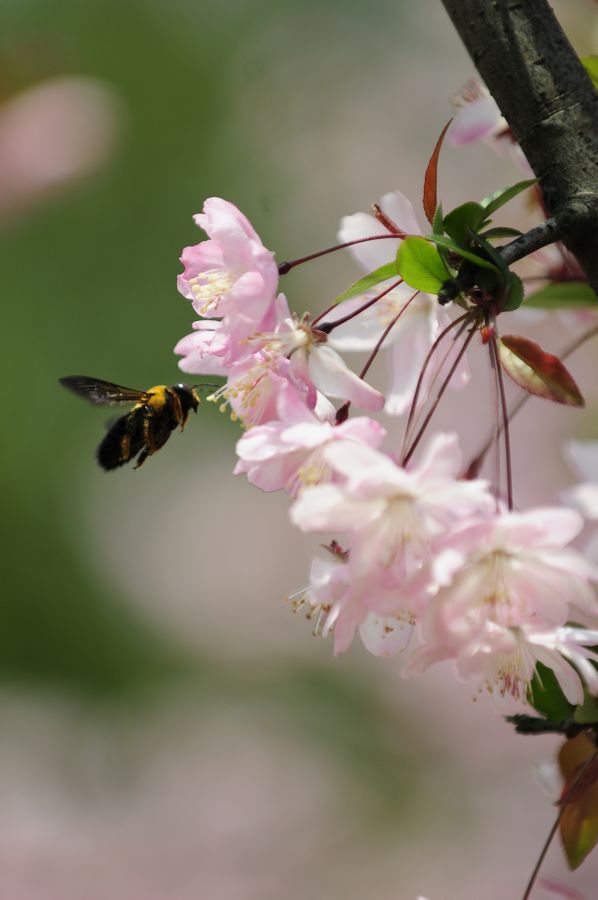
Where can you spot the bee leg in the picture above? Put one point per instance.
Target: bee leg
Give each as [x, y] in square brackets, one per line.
[141, 459]
[180, 416]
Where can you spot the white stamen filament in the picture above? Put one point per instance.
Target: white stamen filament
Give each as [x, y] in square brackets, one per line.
[318, 611]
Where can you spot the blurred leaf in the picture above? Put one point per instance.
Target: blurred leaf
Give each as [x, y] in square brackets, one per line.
[546, 695]
[431, 179]
[421, 266]
[515, 292]
[59, 627]
[463, 219]
[578, 761]
[590, 64]
[538, 372]
[564, 295]
[587, 713]
[499, 198]
[63, 626]
[383, 273]
[500, 232]
[437, 220]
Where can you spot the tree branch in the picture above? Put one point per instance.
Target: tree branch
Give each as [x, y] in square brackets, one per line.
[548, 100]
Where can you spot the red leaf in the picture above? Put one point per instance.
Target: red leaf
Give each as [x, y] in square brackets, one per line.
[538, 372]
[431, 178]
[578, 761]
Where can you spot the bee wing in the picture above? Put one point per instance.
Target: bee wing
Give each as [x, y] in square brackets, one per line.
[96, 390]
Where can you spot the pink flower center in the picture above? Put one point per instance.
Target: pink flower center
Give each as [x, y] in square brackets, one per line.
[247, 394]
[208, 288]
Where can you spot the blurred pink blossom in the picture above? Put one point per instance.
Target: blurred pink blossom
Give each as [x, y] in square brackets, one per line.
[478, 118]
[52, 133]
[583, 456]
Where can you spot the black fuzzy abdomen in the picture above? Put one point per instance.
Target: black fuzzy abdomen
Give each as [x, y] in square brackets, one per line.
[123, 441]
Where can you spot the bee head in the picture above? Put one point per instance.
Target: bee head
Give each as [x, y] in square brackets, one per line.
[188, 396]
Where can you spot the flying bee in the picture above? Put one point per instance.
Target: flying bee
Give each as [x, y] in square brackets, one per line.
[146, 427]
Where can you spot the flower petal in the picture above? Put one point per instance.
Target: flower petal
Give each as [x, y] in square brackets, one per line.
[333, 377]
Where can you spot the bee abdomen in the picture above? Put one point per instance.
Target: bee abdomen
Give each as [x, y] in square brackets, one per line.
[122, 442]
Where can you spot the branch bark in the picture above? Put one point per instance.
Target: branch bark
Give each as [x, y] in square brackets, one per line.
[546, 96]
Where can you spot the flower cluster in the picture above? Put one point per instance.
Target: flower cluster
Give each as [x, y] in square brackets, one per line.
[423, 557]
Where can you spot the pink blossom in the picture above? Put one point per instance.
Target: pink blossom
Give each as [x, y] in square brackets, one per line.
[560, 891]
[407, 343]
[372, 254]
[338, 603]
[318, 365]
[288, 452]
[293, 351]
[51, 134]
[314, 364]
[503, 659]
[217, 344]
[205, 350]
[332, 600]
[392, 514]
[385, 635]
[514, 569]
[583, 456]
[507, 588]
[253, 387]
[232, 273]
[479, 118]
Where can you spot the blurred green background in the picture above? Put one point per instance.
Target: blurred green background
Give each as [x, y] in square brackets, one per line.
[141, 615]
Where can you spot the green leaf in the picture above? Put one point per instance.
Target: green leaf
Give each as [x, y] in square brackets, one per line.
[500, 232]
[493, 253]
[587, 713]
[563, 295]
[437, 221]
[463, 219]
[421, 265]
[499, 198]
[438, 229]
[442, 241]
[514, 294]
[538, 372]
[578, 826]
[389, 270]
[546, 695]
[590, 64]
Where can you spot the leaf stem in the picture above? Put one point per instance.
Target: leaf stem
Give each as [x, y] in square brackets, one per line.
[497, 420]
[422, 373]
[384, 335]
[327, 327]
[342, 412]
[505, 420]
[285, 267]
[443, 388]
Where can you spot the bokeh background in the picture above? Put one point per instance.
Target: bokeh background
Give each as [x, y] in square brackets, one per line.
[167, 728]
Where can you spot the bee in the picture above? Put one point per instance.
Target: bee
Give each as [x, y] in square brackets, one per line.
[146, 427]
